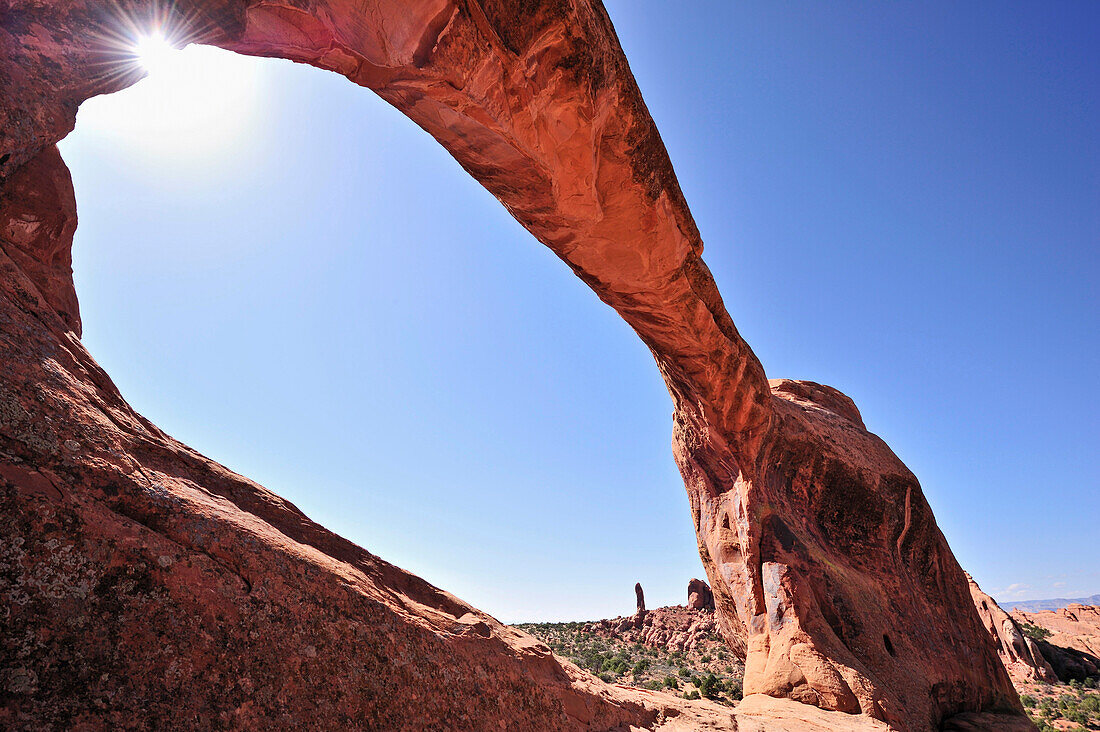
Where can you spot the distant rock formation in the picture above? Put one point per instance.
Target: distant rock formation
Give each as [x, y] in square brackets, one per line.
[1069, 661]
[154, 569]
[699, 596]
[676, 628]
[1073, 646]
[1019, 653]
[1057, 603]
[640, 612]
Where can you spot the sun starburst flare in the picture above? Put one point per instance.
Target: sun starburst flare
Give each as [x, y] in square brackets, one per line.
[178, 100]
[153, 52]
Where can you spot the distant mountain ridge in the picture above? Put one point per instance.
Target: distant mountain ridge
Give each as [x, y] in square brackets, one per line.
[1035, 606]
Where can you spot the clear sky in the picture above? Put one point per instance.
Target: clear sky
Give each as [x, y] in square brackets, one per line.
[901, 200]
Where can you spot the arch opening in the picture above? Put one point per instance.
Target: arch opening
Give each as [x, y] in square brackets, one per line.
[351, 351]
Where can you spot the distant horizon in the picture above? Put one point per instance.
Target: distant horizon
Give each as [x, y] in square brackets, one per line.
[283, 272]
[1057, 603]
[1007, 606]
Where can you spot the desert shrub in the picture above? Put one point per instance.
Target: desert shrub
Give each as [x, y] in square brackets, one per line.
[684, 673]
[1035, 632]
[1076, 715]
[692, 694]
[1028, 700]
[672, 682]
[709, 687]
[705, 659]
[616, 665]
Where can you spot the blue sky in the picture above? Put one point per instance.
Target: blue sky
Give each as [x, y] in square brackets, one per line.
[899, 200]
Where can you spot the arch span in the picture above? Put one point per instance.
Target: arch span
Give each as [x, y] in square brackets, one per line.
[816, 539]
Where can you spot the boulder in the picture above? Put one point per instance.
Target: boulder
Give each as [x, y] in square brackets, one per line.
[699, 596]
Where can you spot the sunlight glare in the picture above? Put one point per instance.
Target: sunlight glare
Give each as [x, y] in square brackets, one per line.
[195, 104]
[154, 52]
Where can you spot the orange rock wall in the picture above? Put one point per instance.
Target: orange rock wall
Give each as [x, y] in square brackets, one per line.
[1021, 655]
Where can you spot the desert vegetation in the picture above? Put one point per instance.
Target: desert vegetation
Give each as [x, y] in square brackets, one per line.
[1074, 706]
[710, 672]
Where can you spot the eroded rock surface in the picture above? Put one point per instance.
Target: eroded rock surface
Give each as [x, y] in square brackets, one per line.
[699, 595]
[675, 628]
[1020, 654]
[1073, 646]
[136, 562]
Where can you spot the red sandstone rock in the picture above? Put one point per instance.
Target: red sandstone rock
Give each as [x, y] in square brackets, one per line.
[675, 628]
[826, 552]
[39, 222]
[699, 595]
[1020, 654]
[640, 613]
[143, 569]
[1073, 648]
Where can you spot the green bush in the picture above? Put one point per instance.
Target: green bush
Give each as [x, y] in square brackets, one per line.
[1035, 632]
[616, 665]
[709, 686]
[693, 694]
[1076, 715]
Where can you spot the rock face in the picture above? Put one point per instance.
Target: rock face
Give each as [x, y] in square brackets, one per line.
[1073, 646]
[675, 628]
[141, 567]
[699, 596]
[1021, 655]
[821, 544]
[640, 597]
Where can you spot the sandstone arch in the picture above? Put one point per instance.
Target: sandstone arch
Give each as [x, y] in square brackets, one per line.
[821, 551]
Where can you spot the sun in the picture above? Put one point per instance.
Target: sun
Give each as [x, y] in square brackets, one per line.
[194, 104]
[154, 53]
